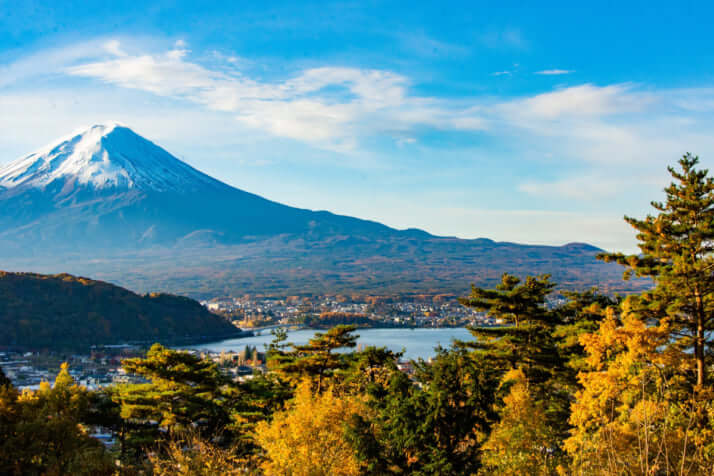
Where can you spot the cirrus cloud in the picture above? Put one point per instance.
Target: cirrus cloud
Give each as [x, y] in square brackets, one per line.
[327, 106]
[554, 72]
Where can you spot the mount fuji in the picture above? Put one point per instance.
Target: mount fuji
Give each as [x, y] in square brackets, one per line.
[107, 202]
[108, 189]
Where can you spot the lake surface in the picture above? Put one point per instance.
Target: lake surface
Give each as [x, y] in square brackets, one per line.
[417, 343]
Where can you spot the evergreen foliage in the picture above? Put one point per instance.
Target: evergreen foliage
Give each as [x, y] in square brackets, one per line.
[316, 359]
[64, 312]
[677, 248]
[182, 389]
[524, 339]
[433, 428]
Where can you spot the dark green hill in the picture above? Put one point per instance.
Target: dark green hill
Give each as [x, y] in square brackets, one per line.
[68, 312]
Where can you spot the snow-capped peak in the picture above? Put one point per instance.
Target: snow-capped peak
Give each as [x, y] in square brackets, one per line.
[103, 156]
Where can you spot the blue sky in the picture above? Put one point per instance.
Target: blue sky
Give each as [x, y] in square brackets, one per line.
[541, 124]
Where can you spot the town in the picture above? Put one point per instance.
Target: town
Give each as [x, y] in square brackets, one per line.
[101, 366]
[419, 310]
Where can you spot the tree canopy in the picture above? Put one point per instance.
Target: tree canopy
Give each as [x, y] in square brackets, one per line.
[677, 245]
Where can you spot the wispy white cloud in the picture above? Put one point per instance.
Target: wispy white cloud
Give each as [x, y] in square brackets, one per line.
[33, 118]
[581, 133]
[554, 72]
[575, 188]
[336, 108]
[114, 47]
[586, 100]
[48, 62]
[299, 108]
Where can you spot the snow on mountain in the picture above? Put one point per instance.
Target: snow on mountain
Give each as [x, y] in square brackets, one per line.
[105, 200]
[108, 188]
[104, 156]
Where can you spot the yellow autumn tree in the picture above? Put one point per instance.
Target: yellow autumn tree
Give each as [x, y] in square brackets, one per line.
[634, 414]
[42, 431]
[521, 443]
[308, 437]
[191, 455]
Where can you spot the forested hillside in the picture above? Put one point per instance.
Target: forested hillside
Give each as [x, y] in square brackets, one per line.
[67, 312]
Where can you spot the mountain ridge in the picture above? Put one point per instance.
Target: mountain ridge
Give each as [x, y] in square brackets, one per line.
[113, 181]
[107, 195]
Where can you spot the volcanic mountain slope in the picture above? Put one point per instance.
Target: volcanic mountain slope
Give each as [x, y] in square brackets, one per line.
[106, 202]
[106, 188]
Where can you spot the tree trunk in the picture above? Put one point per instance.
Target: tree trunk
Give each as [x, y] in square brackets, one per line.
[699, 339]
[699, 351]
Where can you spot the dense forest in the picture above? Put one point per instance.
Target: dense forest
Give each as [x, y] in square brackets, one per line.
[64, 312]
[600, 385]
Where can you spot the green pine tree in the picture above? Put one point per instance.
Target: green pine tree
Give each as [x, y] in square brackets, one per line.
[525, 340]
[677, 246]
[316, 359]
[183, 391]
[434, 427]
[525, 337]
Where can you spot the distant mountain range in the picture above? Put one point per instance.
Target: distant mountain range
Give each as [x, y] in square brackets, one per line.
[108, 203]
[72, 313]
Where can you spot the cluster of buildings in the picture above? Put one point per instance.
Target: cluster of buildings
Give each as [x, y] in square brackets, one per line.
[249, 312]
[101, 369]
[28, 369]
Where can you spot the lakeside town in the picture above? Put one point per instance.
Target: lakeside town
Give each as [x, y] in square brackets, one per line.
[100, 367]
[439, 310]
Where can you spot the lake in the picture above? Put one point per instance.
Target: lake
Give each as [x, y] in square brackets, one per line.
[417, 343]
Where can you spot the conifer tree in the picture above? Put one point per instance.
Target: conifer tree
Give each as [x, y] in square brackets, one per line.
[183, 390]
[431, 428]
[316, 359]
[372, 366]
[525, 338]
[677, 246]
